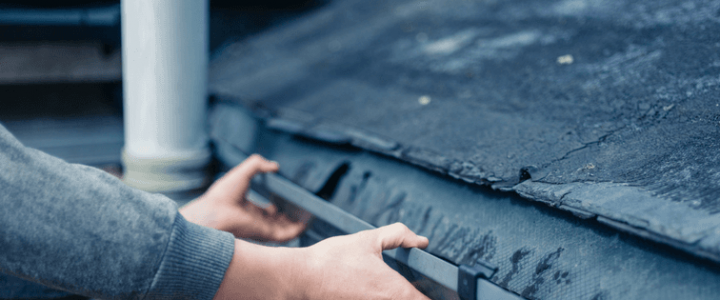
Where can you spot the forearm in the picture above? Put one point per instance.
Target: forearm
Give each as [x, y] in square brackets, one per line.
[78, 229]
[342, 267]
[260, 272]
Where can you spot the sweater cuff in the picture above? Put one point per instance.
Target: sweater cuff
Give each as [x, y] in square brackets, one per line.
[194, 263]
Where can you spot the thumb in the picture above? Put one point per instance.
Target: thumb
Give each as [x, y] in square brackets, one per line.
[244, 172]
[235, 183]
[399, 235]
[253, 165]
[404, 290]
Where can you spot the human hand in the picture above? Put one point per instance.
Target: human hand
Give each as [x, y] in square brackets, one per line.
[352, 267]
[225, 207]
[343, 267]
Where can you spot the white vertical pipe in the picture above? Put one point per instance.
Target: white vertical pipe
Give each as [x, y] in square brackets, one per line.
[165, 62]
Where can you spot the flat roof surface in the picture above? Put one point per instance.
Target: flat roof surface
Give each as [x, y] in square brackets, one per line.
[609, 109]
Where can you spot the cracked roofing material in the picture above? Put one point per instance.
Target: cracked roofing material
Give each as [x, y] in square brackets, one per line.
[608, 109]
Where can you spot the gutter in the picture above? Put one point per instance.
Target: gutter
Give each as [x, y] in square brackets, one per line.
[469, 282]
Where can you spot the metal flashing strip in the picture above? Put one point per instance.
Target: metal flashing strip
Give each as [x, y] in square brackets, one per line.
[469, 281]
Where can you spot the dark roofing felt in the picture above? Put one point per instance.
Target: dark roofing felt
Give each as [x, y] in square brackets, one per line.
[540, 252]
[609, 109]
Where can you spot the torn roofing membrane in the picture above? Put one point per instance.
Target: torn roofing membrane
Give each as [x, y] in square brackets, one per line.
[608, 109]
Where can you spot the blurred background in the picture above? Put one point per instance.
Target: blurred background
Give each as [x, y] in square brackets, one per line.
[569, 142]
[61, 70]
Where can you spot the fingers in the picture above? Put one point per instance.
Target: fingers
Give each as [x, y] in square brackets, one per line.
[253, 165]
[406, 290]
[258, 163]
[284, 229]
[235, 183]
[270, 225]
[398, 235]
[287, 230]
[271, 210]
[279, 230]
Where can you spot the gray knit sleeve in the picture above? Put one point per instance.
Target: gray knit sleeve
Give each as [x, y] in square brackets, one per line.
[78, 229]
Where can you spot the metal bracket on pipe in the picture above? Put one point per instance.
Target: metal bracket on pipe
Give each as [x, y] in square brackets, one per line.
[471, 283]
